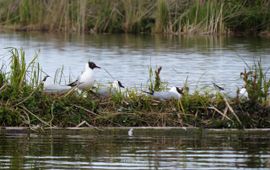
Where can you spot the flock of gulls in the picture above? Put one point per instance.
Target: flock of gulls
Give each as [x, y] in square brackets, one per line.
[86, 81]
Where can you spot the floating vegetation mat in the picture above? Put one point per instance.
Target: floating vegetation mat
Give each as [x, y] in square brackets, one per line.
[24, 103]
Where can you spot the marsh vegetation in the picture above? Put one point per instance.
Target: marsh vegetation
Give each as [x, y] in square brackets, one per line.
[24, 103]
[135, 16]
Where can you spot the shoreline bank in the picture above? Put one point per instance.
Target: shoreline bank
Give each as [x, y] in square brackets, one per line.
[161, 16]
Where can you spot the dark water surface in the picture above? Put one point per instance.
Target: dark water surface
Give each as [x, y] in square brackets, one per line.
[203, 59]
[146, 149]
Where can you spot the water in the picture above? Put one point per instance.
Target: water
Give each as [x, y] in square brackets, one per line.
[146, 149]
[202, 60]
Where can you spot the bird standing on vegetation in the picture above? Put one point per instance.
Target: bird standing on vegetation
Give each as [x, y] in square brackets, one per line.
[173, 93]
[243, 93]
[87, 78]
[54, 88]
[116, 87]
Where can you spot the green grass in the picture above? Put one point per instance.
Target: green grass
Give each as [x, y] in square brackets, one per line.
[206, 18]
[136, 16]
[155, 82]
[162, 16]
[23, 103]
[257, 83]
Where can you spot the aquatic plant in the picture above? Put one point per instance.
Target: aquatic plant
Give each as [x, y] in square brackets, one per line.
[256, 83]
[204, 17]
[24, 103]
[136, 16]
[155, 83]
[249, 16]
[162, 16]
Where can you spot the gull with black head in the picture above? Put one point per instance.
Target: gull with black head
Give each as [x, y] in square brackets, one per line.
[87, 78]
[54, 88]
[173, 93]
[116, 87]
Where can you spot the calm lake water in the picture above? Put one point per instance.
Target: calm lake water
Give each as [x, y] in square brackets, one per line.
[202, 60]
[146, 149]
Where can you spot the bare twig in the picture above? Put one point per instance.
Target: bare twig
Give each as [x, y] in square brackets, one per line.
[89, 111]
[42, 121]
[3, 87]
[70, 91]
[26, 118]
[25, 99]
[218, 111]
[82, 123]
[225, 112]
[231, 109]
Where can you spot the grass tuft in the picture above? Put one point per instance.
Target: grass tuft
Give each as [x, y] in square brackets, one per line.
[24, 103]
[136, 16]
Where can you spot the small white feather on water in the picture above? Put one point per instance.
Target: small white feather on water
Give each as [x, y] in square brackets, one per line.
[130, 132]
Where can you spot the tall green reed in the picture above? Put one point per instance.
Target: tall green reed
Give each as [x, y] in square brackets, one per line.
[162, 16]
[136, 15]
[256, 82]
[248, 16]
[155, 82]
[203, 17]
[22, 73]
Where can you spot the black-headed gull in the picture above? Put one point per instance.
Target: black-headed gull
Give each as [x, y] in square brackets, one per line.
[54, 88]
[173, 93]
[87, 78]
[116, 87]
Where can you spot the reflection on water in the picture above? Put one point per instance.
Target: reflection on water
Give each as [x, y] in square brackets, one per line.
[202, 59]
[147, 149]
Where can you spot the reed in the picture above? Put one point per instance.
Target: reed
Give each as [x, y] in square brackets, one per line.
[19, 70]
[204, 18]
[162, 16]
[154, 82]
[135, 16]
[249, 16]
[24, 103]
[256, 82]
